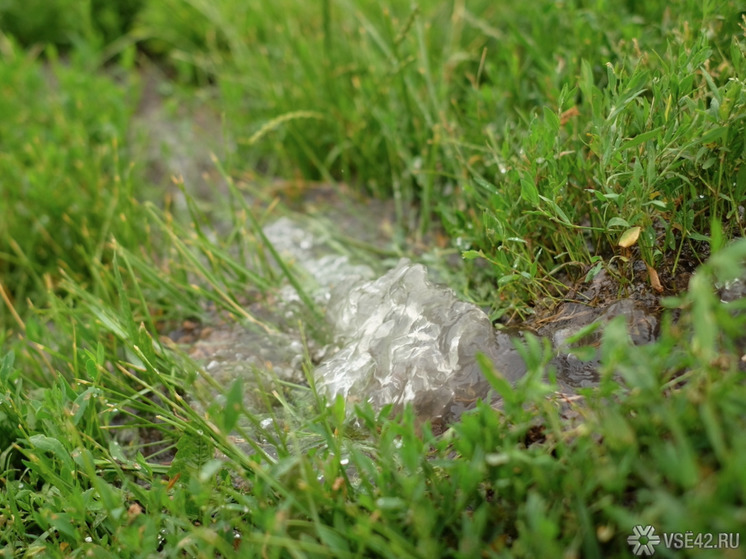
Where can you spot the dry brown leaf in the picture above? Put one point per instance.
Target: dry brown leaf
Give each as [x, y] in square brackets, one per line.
[568, 114]
[655, 281]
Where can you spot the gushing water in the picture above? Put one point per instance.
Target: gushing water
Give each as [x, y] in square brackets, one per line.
[405, 340]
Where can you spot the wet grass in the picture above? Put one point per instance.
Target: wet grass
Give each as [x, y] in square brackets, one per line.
[536, 135]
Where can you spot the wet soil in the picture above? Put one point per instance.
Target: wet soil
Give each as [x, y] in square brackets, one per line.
[625, 289]
[180, 143]
[228, 349]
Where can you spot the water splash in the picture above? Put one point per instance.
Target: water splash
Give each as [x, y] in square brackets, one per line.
[406, 340]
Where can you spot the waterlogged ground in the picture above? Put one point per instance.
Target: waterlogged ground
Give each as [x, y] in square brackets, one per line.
[398, 311]
[390, 332]
[394, 334]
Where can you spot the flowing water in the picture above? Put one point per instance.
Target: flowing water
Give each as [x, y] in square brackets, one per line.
[395, 336]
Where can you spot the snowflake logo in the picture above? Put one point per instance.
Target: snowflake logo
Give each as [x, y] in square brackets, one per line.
[644, 540]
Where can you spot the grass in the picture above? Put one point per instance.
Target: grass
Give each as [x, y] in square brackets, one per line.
[535, 135]
[508, 127]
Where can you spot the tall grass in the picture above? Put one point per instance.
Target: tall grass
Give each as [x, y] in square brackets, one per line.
[536, 134]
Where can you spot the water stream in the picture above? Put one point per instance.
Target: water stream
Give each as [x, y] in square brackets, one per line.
[397, 337]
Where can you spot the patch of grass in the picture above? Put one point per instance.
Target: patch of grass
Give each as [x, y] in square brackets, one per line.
[536, 135]
[66, 181]
[659, 442]
[67, 22]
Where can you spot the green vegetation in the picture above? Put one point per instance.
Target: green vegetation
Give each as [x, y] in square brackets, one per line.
[534, 134]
